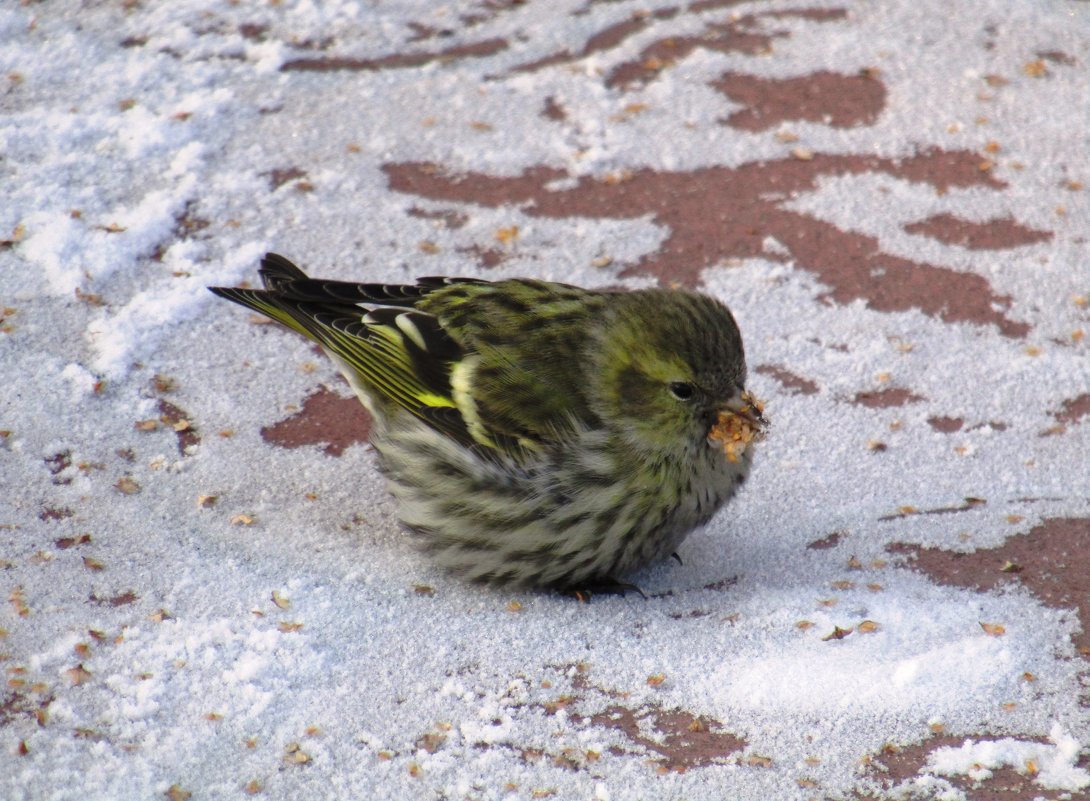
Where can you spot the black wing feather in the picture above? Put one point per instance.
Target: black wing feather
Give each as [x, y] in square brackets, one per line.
[327, 312]
[281, 276]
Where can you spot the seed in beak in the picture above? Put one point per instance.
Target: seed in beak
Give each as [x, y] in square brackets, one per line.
[736, 428]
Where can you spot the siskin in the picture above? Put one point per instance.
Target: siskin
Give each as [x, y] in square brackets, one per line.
[534, 433]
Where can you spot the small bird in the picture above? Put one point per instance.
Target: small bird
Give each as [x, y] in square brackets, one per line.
[536, 434]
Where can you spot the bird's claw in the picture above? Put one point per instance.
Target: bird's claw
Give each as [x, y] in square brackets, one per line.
[604, 586]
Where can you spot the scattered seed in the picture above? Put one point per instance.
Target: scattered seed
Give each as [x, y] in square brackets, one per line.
[1035, 69]
[836, 634]
[507, 236]
[127, 485]
[78, 675]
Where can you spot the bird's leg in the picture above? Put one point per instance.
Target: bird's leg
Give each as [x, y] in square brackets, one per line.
[603, 586]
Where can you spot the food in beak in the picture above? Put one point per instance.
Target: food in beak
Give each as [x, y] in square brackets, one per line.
[736, 428]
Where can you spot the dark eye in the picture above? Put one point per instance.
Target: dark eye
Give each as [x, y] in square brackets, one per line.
[682, 390]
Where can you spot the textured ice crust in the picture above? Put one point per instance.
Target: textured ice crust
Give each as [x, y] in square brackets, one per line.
[188, 608]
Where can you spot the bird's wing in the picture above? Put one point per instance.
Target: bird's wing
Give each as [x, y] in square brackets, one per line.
[401, 354]
[493, 365]
[522, 376]
[281, 276]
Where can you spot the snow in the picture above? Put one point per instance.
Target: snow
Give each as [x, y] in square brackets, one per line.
[1053, 764]
[137, 148]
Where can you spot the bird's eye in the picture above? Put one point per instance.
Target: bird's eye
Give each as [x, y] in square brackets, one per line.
[682, 390]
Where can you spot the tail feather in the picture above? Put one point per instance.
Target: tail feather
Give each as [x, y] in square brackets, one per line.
[286, 298]
[321, 290]
[404, 357]
[282, 277]
[277, 272]
[270, 304]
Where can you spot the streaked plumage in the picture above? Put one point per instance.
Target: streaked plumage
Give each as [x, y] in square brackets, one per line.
[534, 433]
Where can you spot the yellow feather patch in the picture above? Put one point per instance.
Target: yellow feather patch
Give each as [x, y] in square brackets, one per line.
[461, 383]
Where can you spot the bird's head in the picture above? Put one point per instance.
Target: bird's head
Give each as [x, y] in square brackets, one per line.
[668, 368]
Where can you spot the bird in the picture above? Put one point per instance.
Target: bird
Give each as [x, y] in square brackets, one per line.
[536, 434]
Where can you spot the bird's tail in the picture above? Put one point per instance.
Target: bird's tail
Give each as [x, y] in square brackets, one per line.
[274, 301]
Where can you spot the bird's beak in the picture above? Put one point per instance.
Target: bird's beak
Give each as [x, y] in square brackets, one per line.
[749, 409]
[738, 423]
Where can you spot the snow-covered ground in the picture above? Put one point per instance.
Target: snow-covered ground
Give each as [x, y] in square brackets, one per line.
[206, 593]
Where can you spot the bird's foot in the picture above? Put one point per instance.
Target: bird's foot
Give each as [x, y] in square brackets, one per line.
[603, 586]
